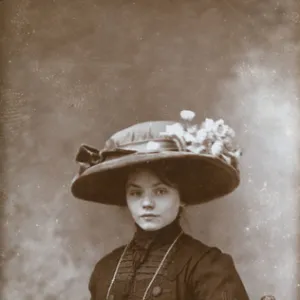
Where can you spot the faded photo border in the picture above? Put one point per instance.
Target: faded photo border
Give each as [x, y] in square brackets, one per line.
[75, 72]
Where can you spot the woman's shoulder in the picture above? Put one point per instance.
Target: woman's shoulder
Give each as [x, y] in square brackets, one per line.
[204, 253]
[197, 257]
[104, 267]
[110, 258]
[212, 271]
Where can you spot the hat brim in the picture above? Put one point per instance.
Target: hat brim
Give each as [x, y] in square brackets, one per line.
[206, 177]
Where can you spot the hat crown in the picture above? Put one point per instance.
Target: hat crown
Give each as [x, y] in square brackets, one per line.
[141, 132]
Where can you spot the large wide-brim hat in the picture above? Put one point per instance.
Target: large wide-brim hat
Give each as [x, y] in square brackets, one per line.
[202, 158]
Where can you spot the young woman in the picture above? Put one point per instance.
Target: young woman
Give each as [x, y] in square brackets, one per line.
[155, 169]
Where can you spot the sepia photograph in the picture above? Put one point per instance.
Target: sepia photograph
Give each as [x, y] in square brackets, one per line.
[150, 150]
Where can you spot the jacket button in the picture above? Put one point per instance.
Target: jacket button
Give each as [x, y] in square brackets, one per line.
[156, 291]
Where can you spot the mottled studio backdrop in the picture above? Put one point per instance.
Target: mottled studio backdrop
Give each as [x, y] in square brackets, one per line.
[76, 71]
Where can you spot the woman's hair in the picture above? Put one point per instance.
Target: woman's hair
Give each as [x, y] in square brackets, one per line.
[166, 174]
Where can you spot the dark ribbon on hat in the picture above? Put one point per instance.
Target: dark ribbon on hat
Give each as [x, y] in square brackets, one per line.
[88, 156]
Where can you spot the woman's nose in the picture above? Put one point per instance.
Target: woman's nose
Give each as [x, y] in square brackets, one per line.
[147, 202]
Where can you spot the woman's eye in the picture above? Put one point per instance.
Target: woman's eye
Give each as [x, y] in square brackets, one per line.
[161, 191]
[135, 193]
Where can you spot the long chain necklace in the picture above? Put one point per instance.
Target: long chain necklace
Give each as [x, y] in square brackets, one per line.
[155, 274]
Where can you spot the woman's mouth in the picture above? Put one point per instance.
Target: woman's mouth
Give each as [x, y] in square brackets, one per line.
[148, 216]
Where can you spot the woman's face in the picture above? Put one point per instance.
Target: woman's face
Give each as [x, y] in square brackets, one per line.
[152, 203]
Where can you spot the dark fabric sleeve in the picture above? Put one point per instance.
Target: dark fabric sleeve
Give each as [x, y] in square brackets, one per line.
[215, 277]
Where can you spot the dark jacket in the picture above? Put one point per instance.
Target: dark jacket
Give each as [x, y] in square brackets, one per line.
[194, 271]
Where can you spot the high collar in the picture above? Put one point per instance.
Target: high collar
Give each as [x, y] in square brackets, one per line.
[165, 235]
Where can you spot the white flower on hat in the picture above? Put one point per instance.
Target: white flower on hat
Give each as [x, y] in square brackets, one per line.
[189, 138]
[196, 149]
[201, 135]
[208, 124]
[222, 130]
[217, 148]
[192, 129]
[187, 115]
[211, 137]
[176, 129]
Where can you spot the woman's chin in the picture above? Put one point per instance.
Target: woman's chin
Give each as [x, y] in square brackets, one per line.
[150, 226]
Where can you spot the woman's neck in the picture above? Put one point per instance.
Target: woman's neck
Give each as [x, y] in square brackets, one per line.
[162, 236]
